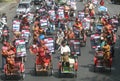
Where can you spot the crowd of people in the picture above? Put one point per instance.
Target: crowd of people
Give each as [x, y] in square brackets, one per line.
[64, 33]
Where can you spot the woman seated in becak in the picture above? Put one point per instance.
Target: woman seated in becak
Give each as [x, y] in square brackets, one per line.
[92, 13]
[103, 21]
[34, 48]
[36, 29]
[86, 10]
[42, 49]
[107, 53]
[66, 15]
[47, 61]
[17, 35]
[25, 20]
[10, 64]
[71, 34]
[78, 25]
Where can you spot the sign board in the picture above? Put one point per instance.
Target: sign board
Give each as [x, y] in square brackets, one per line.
[49, 42]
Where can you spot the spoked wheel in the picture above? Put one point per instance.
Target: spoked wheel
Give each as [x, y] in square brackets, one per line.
[94, 68]
[59, 73]
[35, 72]
[22, 76]
[50, 72]
[5, 77]
[75, 74]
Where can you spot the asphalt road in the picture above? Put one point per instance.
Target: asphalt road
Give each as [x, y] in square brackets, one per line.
[85, 72]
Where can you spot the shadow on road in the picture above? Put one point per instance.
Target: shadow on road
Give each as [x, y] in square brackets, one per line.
[10, 78]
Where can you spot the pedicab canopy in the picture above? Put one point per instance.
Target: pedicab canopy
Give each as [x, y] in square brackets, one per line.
[75, 46]
[20, 48]
[52, 14]
[86, 23]
[61, 14]
[95, 40]
[16, 25]
[25, 34]
[43, 22]
[49, 42]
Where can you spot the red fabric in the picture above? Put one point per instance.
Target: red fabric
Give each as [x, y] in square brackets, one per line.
[41, 51]
[34, 50]
[102, 2]
[47, 60]
[91, 14]
[39, 61]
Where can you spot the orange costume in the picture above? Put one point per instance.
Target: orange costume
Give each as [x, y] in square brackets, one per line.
[78, 25]
[46, 61]
[102, 2]
[71, 35]
[109, 28]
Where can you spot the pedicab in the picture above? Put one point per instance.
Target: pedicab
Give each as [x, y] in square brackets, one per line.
[44, 24]
[21, 51]
[42, 11]
[99, 28]
[95, 40]
[75, 47]
[100, 61]
[115, 24]
[52, 17]
[43, 63]
[49, 42]
[86, 22]
[69, 65]
[72, 13]
[67, 12]
[14, 67]
[60, 14]
[16, 25]
[81, 15]
[81, 36]
[30, 17]
[25, 34]
[102, 10]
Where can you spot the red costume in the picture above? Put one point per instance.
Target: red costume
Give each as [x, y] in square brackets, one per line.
[102, 2]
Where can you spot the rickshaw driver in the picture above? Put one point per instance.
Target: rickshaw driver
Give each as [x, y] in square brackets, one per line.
[60, 37]
[78, 25]
[65, 53]
[4, 54]
[106, 49]
[42, 53]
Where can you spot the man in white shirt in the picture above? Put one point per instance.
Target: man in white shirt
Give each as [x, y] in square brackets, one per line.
[91, 6]
[60, 37]
[64, 48]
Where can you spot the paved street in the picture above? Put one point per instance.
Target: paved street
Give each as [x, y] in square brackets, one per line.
[85, 72]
